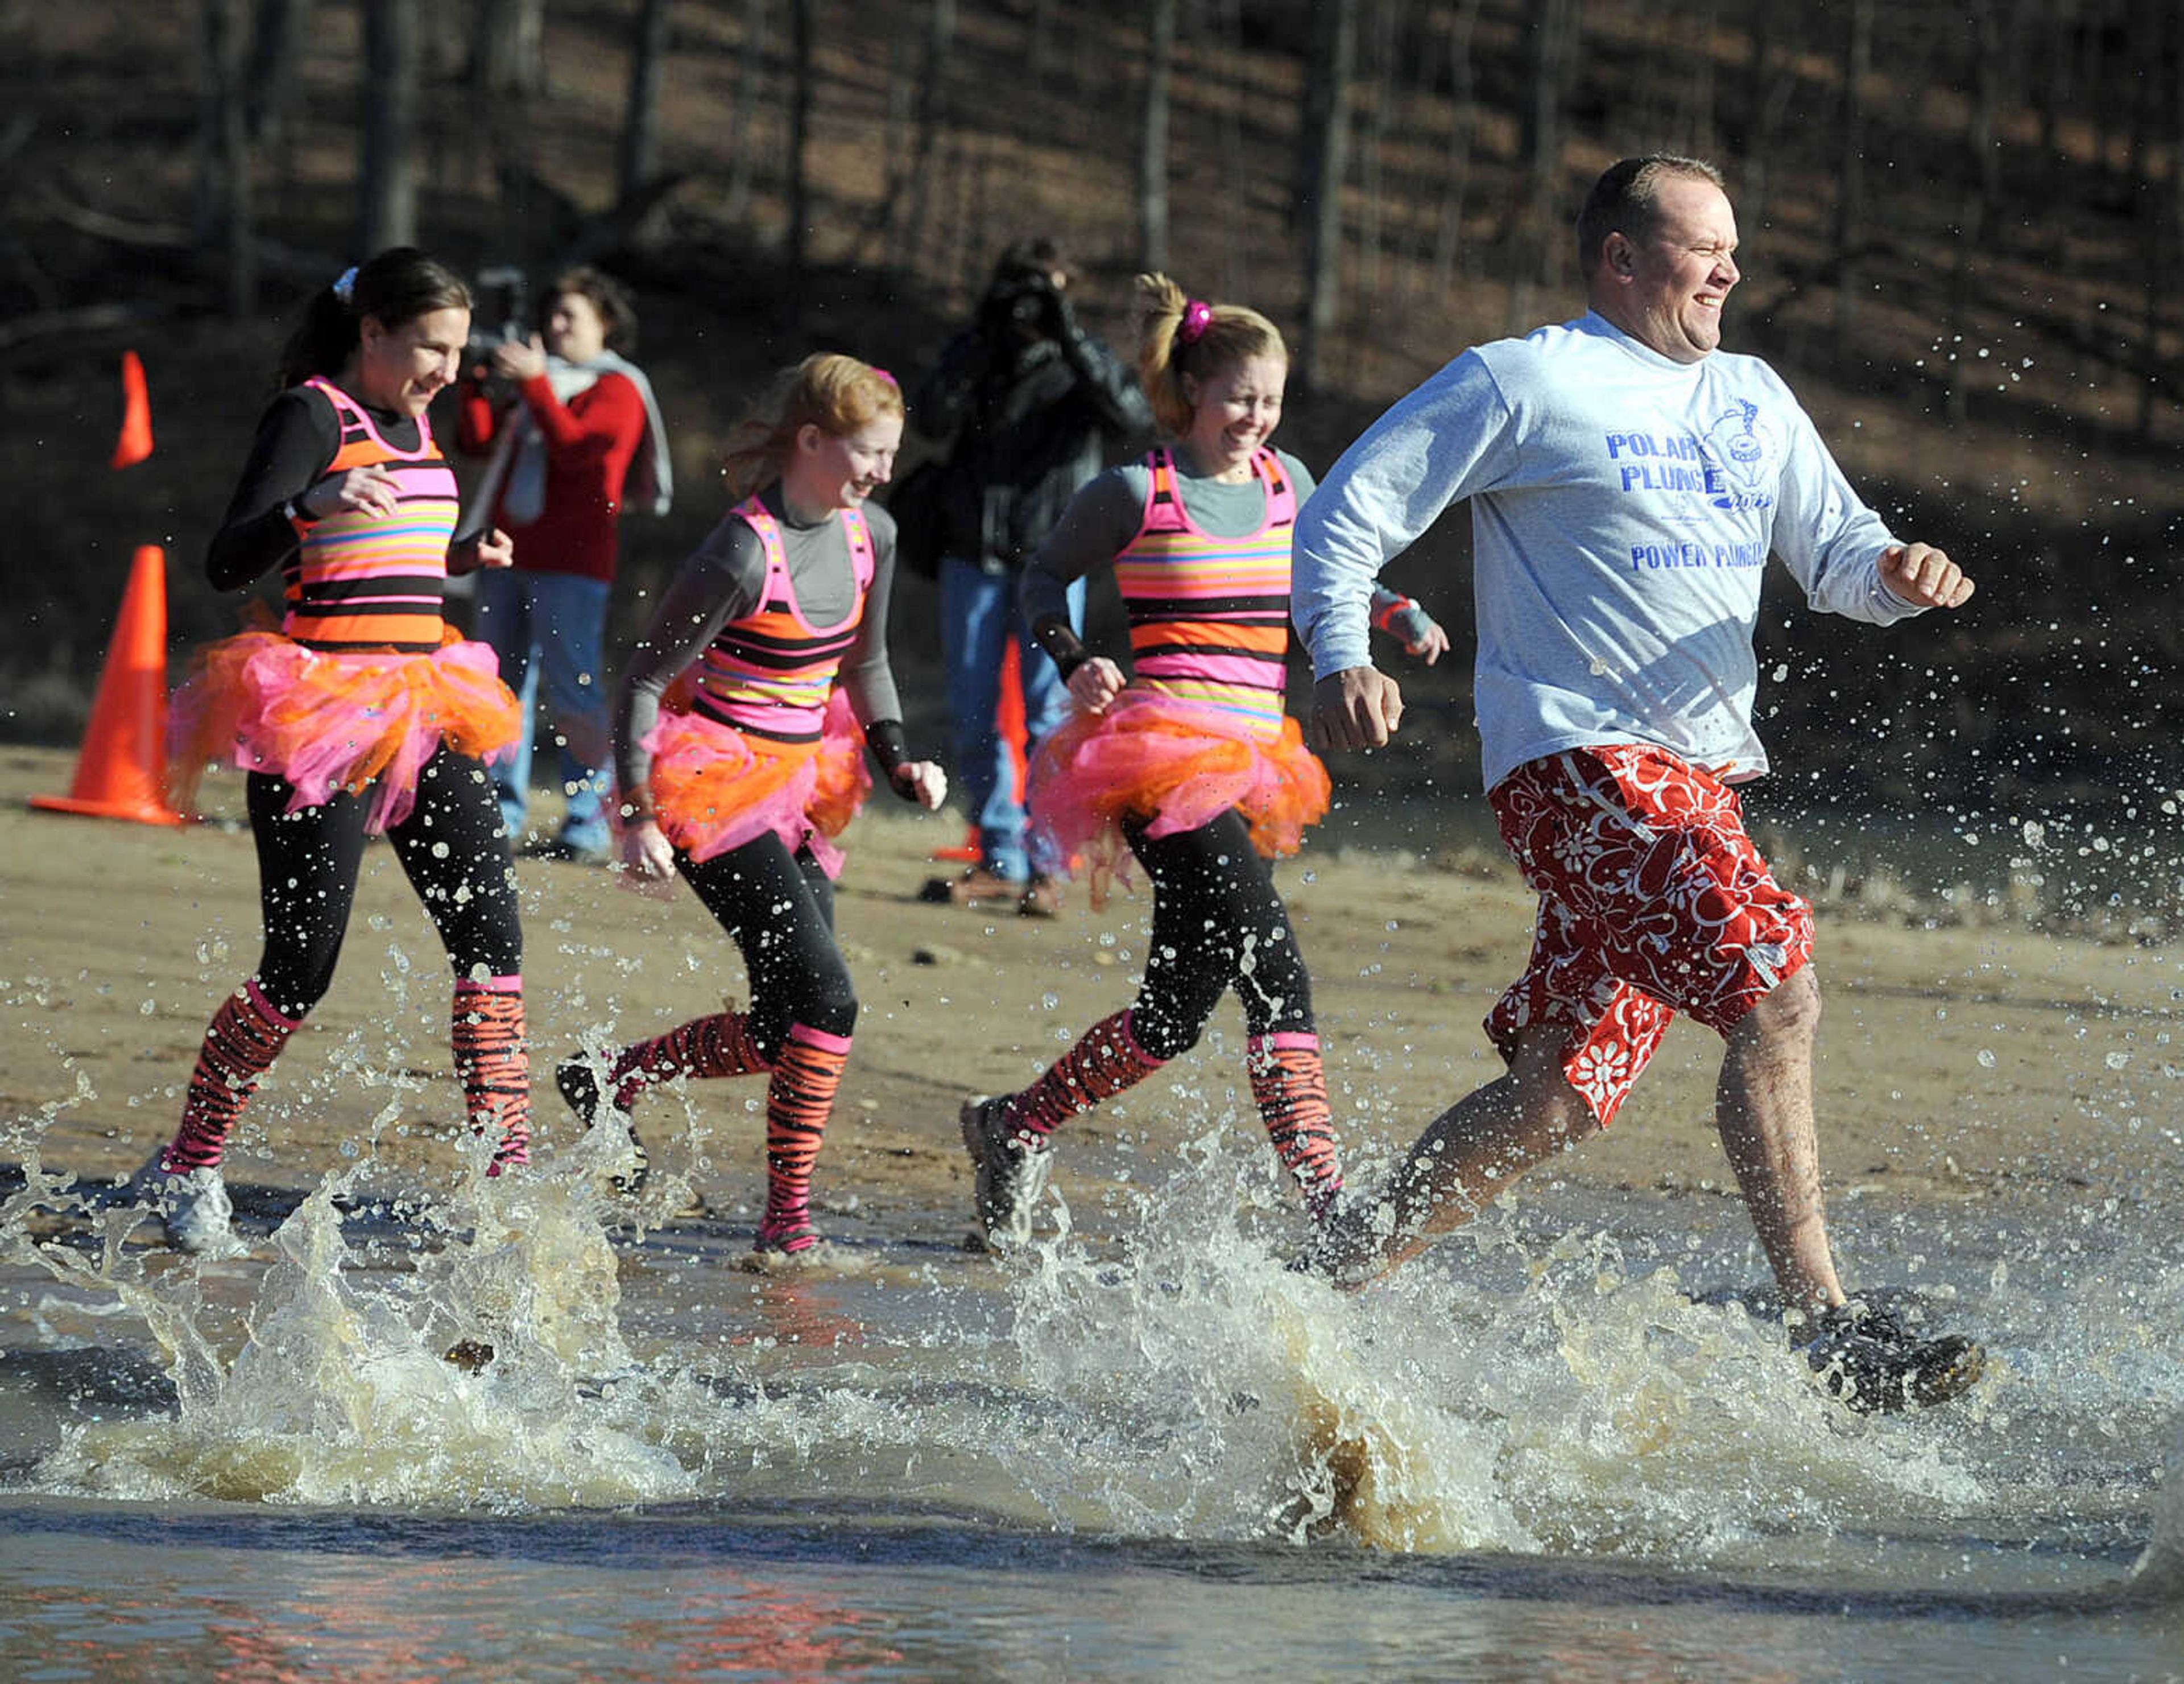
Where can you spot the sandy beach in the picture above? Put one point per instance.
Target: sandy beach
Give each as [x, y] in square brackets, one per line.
[1957, 1064]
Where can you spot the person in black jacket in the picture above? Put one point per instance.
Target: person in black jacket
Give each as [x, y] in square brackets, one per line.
[1035, 404]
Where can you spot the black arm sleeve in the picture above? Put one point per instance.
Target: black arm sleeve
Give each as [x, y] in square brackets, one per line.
[884, 737]
[296, 440]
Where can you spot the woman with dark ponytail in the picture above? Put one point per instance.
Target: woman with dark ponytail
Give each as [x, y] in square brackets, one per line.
[1190, 766]
[364, 713]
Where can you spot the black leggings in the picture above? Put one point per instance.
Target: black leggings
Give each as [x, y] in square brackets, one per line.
[1218, 924]
[452, 847]
[778, 908]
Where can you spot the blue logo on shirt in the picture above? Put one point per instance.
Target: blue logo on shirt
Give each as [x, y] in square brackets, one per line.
[1743, 471]
[1731, 467]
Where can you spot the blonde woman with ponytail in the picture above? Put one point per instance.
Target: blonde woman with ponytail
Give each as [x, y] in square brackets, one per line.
[1188, 765]
[782, 614]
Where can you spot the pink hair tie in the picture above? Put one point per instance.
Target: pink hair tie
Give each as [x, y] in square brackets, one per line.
[885, 375]
[1197, 317]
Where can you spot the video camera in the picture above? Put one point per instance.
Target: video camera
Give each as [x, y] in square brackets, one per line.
[1022, 301]
[501, 314]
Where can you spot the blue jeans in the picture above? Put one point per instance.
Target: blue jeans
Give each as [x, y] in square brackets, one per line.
[555, 624]
[978, 615]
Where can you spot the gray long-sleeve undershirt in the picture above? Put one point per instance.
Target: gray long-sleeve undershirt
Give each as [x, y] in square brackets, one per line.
[724, 580]
[1104, 517]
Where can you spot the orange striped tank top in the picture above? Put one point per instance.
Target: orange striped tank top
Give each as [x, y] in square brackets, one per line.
[1210, 617]
[769, 674]
[368, 582]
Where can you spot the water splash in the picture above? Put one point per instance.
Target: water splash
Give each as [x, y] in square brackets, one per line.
[1542, 1386]
[342, 1392]
[1197, 1388]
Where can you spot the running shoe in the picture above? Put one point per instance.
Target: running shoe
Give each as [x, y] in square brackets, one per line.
[1012, 1172]
[976, 887]
[192, 1205]
[1345, 1249]
[1865, 1356]
[1042, 898]
[786, 1238]
[578, 1084]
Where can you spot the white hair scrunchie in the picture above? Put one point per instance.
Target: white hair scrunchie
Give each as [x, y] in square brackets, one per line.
[345, 283]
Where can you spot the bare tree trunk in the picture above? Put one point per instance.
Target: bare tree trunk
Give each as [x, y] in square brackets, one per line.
[640, 128]
[223, 209]
[750, 69]
[1850, 172]
[2172, 253]
[276, 61]
[1387, 21]
[1327, 117]
[1772, 82]
[2149, 28]
[1235, 252]
[387, 171]
[1557, 28]
[1456, 185]
[1697, 128]
[801, 74]
[1982, 191]
[1041, 50]
[1152, 137]
[2093, 77]
[508, 47]
[2051, 90]
[932, 115]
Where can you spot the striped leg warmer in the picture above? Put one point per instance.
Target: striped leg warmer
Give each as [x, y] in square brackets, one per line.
[1105, 1060]
[1289, 1085]
[718, 1046]
[492, 1062]
[244, 1038]
[799, 1098]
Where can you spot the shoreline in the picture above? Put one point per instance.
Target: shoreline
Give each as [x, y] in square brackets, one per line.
[1967, 1061]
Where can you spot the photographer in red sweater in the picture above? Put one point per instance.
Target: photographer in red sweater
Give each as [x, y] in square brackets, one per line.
[574, 436]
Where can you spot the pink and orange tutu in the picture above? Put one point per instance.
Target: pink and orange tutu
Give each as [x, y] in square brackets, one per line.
[1176, 765]
[263, 702]
[716, 789]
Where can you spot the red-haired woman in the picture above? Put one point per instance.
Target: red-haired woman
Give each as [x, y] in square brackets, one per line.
[783, 610]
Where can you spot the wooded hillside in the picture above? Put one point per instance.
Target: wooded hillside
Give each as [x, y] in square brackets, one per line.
[1961, 223]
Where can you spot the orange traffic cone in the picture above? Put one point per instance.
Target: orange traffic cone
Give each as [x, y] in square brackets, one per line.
[1009, 716]
[122, 767]
[965, 852]
[135, 444]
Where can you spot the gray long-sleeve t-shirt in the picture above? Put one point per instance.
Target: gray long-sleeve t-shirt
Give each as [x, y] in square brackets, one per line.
[1104, 517]
[1624, 506]
[723, 580]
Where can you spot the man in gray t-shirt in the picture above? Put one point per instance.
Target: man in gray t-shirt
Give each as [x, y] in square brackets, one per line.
[1628, 481]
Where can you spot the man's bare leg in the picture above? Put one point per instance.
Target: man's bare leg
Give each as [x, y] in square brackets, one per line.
[1467, 1154]
[1763, 1108]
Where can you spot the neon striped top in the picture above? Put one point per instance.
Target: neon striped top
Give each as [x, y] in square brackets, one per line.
[371, 581]
[1210, 617]
[769, 674]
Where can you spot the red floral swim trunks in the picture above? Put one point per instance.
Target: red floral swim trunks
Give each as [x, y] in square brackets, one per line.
[1652, 901]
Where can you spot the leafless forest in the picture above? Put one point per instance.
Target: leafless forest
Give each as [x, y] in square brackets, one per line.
[1962, 227]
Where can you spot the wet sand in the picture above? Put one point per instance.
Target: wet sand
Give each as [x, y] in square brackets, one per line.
[1957, 1064]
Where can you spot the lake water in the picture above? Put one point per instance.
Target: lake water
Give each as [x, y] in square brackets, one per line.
[1146, 1451]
